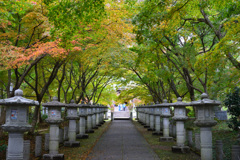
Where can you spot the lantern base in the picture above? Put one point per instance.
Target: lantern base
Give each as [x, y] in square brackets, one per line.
[151, 129]
[157, 133]
[146, 126]
[90, 131]
[180, 149]
[71, 144]
[82, 136]
[166, 139]
[106, 119]
[53, 157]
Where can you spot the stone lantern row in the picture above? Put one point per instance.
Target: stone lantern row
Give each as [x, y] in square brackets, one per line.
[150, 116]
[17, 123]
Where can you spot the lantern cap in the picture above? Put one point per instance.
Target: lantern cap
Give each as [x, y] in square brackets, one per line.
[18, 100]
[180, 103]
[54, 103]
[151, 105]
[164, 104]
[205, 101]
[72, 104]
[82, 105]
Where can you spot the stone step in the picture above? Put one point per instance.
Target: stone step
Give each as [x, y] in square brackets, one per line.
[121, 115]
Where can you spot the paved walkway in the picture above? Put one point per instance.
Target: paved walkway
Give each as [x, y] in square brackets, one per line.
[122, 141]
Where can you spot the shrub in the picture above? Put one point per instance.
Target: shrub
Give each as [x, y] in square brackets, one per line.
[3, 147]
[45, 116]
[232, 101]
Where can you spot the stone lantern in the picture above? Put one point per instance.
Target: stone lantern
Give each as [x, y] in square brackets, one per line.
[16, 123]
[205, 120]
[54, 119]
[165, 114]
[101, 114]
[151, 117]
[89, 119]
[137, 113]
[180, 117]
[138, 108]
[82, 122]
[143, 113]
[157, 113]
[94, 113]
[98, 116]
[147, 116]
[105, 112]
[72, 116]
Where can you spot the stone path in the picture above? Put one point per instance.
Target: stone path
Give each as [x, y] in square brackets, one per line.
[122, 141]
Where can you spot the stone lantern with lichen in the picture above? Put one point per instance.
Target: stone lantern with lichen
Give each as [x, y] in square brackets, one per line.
[165, 115]
[16, 123]
[180, 117]
[54, 119]
[205, 120]
[72, 116]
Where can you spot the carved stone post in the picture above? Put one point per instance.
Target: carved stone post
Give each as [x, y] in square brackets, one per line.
[54, 119]
[16, 123]
[205, 120]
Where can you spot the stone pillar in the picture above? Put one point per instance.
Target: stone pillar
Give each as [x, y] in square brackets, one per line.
[102, 115]
[206, 143]
[82, 121]
[144, 115]
[94, 118]
[105, 112]
[197, 142]
[72, 135]
[46, 142]
[157, 126]
[89, 120]
[65, 133]
[166, 127]
[165, 114]
[161, 124]
[190, 138]
[151, 118]
[137, 113]
[147, 116]
[82, 129]
[219, 150]
[180, 117]
[111, 116]
[171, 129]
[54, 139]
[180, 139]
[77, 127]
[72, 116]
[26, 150]
[61, 133]
[97, 119]
[235, 152]
[38, 146]
[174, 130]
